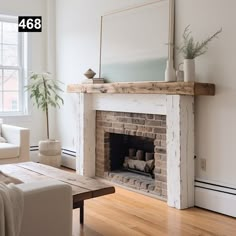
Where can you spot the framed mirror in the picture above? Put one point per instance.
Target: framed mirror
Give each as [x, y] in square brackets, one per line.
[136, 42]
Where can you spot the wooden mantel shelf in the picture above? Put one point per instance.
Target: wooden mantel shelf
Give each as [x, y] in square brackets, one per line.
[169, 88]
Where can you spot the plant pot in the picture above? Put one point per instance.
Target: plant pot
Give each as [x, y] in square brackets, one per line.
[189, 70]
[170, 72]
[50, 152]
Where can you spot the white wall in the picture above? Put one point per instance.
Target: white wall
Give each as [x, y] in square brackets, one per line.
[38, 60]
[77, 39]
[215, 116]
[78, 28]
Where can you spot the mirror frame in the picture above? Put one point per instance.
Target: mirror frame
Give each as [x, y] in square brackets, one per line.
[171, 31]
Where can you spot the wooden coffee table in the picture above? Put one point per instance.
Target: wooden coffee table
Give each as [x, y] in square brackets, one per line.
[82, 187]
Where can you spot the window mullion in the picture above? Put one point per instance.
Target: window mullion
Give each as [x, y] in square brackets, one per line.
[2, 91]
[1, 43]
[21, 76]
[10, 67]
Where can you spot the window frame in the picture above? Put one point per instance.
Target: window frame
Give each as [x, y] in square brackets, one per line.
[21, 68]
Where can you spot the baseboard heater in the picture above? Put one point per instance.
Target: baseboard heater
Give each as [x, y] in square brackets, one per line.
[64, 151]
[69, 152]
[34, 148]
[215, 197]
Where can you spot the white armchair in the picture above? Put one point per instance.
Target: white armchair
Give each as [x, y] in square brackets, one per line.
[16, 149]
[47, 209]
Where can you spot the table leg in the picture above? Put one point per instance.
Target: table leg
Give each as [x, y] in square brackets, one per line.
[80, 205]
[82, 213]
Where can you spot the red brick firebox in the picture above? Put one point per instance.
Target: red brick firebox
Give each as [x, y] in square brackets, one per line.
[136, 124]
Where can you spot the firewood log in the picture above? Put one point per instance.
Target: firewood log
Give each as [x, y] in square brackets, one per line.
[145, 166]
[140, 155]
[149, 156]
[132, 153]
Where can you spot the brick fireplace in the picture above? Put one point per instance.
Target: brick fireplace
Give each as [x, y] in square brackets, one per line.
[179, 113]
[174, 100]
[151, 127]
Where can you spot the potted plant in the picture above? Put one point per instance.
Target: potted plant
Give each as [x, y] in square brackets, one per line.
[44, 91]
[191, 49]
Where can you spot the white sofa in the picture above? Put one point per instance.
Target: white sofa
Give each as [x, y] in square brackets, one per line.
[47, 209]
[16, 149]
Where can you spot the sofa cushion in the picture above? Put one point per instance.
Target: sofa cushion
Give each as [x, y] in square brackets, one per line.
[8, 150]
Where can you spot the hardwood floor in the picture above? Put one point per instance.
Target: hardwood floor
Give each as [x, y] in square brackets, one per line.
[127, 213]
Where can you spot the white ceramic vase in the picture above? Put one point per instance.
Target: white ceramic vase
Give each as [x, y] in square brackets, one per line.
[189, 70]
[170, 72]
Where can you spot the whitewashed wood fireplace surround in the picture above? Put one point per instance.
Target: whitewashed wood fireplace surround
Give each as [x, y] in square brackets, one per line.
[170, 101]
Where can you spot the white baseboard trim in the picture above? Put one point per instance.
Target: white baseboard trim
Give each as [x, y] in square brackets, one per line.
[215, 197]
[34, 153]
[68, 158]
[68, 161]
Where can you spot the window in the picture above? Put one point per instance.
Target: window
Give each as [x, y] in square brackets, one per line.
[12, 97]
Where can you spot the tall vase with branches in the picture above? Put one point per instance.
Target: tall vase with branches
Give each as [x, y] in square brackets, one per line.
[191, 49]
[44, 91]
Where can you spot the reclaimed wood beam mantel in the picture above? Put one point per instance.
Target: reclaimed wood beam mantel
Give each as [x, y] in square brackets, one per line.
[168, 88]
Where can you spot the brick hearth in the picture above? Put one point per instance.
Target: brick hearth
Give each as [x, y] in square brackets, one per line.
[135, 124]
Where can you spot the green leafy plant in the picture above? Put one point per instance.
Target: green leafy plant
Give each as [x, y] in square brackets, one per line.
[44, 91]
[191, 49]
